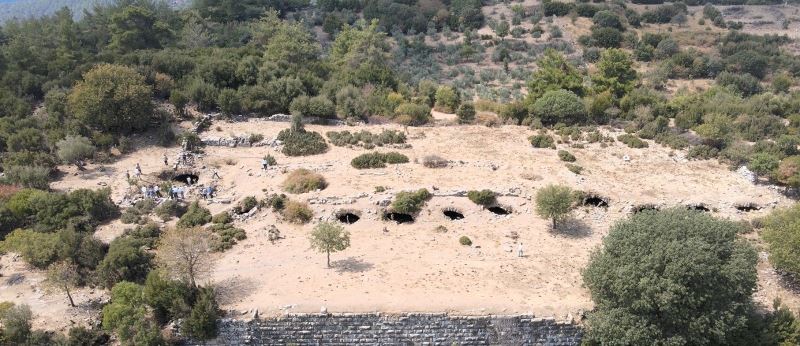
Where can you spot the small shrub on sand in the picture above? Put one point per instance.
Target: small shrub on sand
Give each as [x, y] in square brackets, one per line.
[297, 212]
[542, 141]
[482, 197]
[222, 218]
[434, 161]
[195, 216]
[632, 141]
[378, 160]
[303, 180]
[245, 205]
[410, 202]
[464, 240]
[226, 236]
[169, 209]
[574, 168]
[566, 156]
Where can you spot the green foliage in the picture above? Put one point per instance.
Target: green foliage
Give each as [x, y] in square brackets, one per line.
[329, 237]
[466, 113]
[36, 177]
[17, 325]
[301, 142]
[554, 73]
[317, 106]
[566, 156]
[464, 240]
[37, 249]
[554, 202]
[542, 141]
[244, 206]
[226, 236]
[169, 299]
[782, 235]
[377, 160]
[410, 202]
[789, 171]
[112, 98]
[574, 168]
[303, 180]
[702, 152]
[615, 72]
[447, 99]
[692, 258]
[365, 138]
[169, 209]
[606, 37]
[201, 324]
[412, 114]
[483, 197]
[127, 316]
[742, 84]
[195, 216]
[555, 8]
[632, 141]
[607, 19]
[560, 106]
[126, 260]
[222, 218]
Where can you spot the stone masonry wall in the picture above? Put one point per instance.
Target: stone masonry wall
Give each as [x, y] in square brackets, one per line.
[396, 329]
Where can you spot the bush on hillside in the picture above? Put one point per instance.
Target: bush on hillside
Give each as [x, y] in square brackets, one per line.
[377, 160]
[410, 202]
[303, 180]
[483, 197]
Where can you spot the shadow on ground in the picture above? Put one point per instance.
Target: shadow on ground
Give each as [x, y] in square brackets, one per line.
[572, 228]
[351, 265]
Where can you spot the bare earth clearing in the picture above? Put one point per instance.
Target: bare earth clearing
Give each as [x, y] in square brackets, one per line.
[413, 267]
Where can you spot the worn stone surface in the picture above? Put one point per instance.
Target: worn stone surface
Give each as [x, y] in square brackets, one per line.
[396, 329]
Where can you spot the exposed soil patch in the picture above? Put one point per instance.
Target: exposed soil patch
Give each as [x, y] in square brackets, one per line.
[398, 217]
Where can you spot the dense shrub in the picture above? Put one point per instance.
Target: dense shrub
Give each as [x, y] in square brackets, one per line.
[201, 324]
[303, 180]
[574, 168]
[782, 235]
[542, 141]
[632, 141]
[169, 209]
[377, 160]
[195, 216]
[466, 113]
[702, 152]
[482, 197]
[560, 106]
[742, 84]
[606, 37]
[299, 142]
[412, 114]
[464, 240]
[365, 138]
[222, 218]
[36, 177]
[410, 202]
[297, 212]
[317, 106]
[555, 8]
[566, 156]
[74, 148]
[226, 236]
[126, 261]
[245, 205]
[789, 171]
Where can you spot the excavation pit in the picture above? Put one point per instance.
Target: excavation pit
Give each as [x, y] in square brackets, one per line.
[348, 217]
[595, 201]
[698, 207]
[453, 214]
[400, 218]
[184, 178]
[498, 210]
[747, 207]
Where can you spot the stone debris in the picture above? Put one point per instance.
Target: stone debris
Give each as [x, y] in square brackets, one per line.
[747, 174]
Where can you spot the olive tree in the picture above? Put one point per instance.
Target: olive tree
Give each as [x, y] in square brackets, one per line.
[672, 277]
[554, 202]
[112, 98]
[328, 237]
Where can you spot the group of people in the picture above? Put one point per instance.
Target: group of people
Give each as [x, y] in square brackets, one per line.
[151, 191]
[207, 192]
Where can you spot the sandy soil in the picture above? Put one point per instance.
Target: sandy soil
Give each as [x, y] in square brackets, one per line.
[414, 267]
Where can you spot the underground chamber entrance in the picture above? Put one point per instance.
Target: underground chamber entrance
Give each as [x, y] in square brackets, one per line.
[184, 178]
[398, 217]
[595, 201]
[748, 207]
[498, 210]
[453, 214]
[348, 218]
[698, 207]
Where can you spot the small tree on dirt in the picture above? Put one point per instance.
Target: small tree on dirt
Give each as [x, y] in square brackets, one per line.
[186, 254]
[328, 237]
[202, 320]
[554, 202]
[74, 148]
[64, 276]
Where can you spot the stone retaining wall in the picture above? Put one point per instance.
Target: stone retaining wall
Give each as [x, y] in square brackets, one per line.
[396, 329]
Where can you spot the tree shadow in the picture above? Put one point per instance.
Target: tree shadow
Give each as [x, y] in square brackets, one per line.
[351, 265]
[572, 228]
[230, 290]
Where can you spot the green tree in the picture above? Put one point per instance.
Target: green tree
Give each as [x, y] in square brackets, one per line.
[782, 235]
[63, 276]
[136, 27]
[554, 73]
[560, 106]
[328, 237]
[72, 149]
[554, 202]
[195, 215]
[673, 277]
[112, 98]
[168, 298]
[447, 99]
[127, 316]
[360, 55]
[615, 73]
[466, 113]
[16, 325]
[201, 324]
[126, 260]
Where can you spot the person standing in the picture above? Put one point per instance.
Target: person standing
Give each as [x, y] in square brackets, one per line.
[166, 161]
[519, 250]
[264, 163]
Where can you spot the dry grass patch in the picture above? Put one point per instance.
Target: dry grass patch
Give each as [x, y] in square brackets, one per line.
[303, 180]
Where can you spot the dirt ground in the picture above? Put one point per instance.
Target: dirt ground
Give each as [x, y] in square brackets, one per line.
[417, 267]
